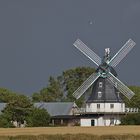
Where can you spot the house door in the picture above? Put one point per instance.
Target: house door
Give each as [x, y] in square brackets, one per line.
[92, 122]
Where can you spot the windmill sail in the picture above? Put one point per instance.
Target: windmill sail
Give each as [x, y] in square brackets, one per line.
[122, 53]
[81, 90]
[105, 69]
[87, 51]
[120, 86]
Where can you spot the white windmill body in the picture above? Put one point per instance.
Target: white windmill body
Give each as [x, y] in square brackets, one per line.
[104, 107]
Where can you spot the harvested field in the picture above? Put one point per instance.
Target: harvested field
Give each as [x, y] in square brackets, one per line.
[72, 137]
[117, 130]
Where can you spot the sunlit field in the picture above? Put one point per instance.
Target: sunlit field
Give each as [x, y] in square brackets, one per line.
[117, 130]
[72, 133]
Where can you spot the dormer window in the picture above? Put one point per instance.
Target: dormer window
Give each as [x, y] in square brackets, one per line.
[100, 84]
[118, 93]
[111, 106]
[99, 94]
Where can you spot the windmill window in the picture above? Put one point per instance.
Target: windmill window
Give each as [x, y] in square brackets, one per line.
[99, 94]
[111, 106]
[98, 106]
[100, 84]
[118, 93]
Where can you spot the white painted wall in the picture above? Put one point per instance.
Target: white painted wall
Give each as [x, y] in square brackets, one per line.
[107, 120]
[105, 107]
[85, 122]
[101, 121]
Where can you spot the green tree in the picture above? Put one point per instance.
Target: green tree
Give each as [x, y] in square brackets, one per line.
[18, 109]
[55, 88]
[6, 95]
[52, 93]
[38, 117]
[135, 101]
[36, 97]
[5, 122]
[72, 79]
[131, 119]
[62, 87]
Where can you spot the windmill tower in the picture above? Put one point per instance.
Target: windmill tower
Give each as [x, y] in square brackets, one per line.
[104, 106]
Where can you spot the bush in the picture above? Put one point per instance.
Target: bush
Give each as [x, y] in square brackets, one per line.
[4, 122]
[38, 117]
[131, 119]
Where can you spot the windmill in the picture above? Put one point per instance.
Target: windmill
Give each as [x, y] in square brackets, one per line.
[105, 68]
[104, 106]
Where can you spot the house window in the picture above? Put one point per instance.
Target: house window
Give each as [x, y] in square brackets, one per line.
[111, 106]
[100, 84]
[98, 106]
[99, 94]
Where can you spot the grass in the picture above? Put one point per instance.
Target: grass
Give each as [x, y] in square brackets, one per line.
[71, 133]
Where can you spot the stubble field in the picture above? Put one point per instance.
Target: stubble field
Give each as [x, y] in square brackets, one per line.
[72, 133]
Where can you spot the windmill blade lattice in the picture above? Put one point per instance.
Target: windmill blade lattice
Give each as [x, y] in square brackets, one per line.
[87, 51]
[81, 90]
[122, 53]
[120, 86]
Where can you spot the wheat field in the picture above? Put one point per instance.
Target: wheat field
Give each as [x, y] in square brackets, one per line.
[112, 130]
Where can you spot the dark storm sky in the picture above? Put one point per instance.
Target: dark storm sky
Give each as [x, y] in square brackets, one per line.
[36, 38]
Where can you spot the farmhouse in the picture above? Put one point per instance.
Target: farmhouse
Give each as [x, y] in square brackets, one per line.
[96, 112]
[99, 111]
[62, 113]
